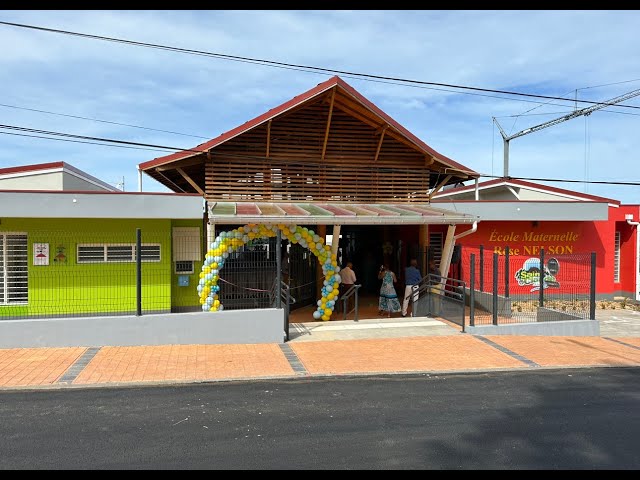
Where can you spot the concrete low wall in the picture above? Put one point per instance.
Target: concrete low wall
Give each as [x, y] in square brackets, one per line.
[233, 326]
[484, 300]
[549, 315]
[574, 328]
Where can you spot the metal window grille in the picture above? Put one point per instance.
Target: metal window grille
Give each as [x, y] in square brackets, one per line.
[184, 266]
[13, 269]
[117, 253]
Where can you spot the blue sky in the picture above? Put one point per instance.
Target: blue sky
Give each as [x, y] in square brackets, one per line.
[555, 53]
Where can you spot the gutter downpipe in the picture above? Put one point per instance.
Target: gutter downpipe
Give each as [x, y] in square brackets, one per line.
[473, 228]
[139, 180]
[477, 192]
[635, 224]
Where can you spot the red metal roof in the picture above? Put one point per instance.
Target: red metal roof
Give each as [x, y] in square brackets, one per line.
[522, 183]
[31, 168]
[63, 166]
[317, 90]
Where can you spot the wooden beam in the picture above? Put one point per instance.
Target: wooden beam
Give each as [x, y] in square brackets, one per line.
[440, 185]
[190, 180]
[171, 181]
[326, 132]
[428, 161]
[346, 109]
[380, 143]
[197, 160]
[423, 245]
[268, 137]
[445, 259]
[335, 242]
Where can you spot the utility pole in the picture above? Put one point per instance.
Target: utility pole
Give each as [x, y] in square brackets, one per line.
[577, 113]
[120, 185]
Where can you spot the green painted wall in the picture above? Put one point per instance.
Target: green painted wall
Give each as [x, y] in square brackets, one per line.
[66, 287]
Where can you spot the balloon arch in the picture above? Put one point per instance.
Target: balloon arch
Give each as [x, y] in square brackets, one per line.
[230, 241]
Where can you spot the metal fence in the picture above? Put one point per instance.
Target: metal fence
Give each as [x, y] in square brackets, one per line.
[61, 274]
[49, 274]
[524, 288]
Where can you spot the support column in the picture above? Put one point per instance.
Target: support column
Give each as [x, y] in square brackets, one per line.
[211, 234]
[321, 230]
[423, 245]
[336, 240]
[447, 251]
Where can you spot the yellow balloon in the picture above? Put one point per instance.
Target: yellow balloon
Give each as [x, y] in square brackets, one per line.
[328, 311]
[325, 317]
[216, 303]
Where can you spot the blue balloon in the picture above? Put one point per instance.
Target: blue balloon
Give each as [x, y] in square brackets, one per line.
[317, 315]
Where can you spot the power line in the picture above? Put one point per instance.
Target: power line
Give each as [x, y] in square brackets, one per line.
[99, 120]
[81, 141]
[564, 113]
[97, 139]
[291, 65]
[119, 143]
[609, 84]
[561, 180]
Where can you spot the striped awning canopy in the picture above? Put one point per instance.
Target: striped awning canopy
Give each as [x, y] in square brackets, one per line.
[312, 213]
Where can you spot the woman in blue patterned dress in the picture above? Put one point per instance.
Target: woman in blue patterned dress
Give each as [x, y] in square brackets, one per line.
[388, 301]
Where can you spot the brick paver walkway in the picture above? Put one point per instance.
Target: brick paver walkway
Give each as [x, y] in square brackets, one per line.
[569, 351]
[443, 353]
[31, 367]
[35, 366]
[184, 363]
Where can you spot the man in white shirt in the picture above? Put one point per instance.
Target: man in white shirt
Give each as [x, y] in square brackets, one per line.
[348, 279]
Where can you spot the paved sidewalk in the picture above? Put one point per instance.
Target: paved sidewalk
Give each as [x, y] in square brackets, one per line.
[82, 367]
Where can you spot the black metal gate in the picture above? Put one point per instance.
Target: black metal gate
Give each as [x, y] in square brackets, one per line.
[441, 297]
[302, 276]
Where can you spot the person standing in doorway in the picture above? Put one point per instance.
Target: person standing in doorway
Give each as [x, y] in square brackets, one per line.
[347, 280]
[388, 301]
[412, 278]
[434, 271]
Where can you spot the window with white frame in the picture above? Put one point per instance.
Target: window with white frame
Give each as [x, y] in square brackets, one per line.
[616, 259]
[14, 279]
[117, 253]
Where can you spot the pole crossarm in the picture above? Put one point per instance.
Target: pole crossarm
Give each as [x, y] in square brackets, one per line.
[569, 116]
[577, 113]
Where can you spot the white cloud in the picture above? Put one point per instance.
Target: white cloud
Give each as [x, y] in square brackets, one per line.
[543, 52]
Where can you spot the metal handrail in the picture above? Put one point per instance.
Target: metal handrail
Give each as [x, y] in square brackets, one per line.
[345, 298]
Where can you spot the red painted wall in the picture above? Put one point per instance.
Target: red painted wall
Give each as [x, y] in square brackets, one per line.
[570, 243]
[628, 239]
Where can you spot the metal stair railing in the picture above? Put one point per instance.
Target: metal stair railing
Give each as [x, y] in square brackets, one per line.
[352, 292]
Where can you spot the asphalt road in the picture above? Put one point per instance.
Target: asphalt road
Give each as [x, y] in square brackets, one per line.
[544, 419]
